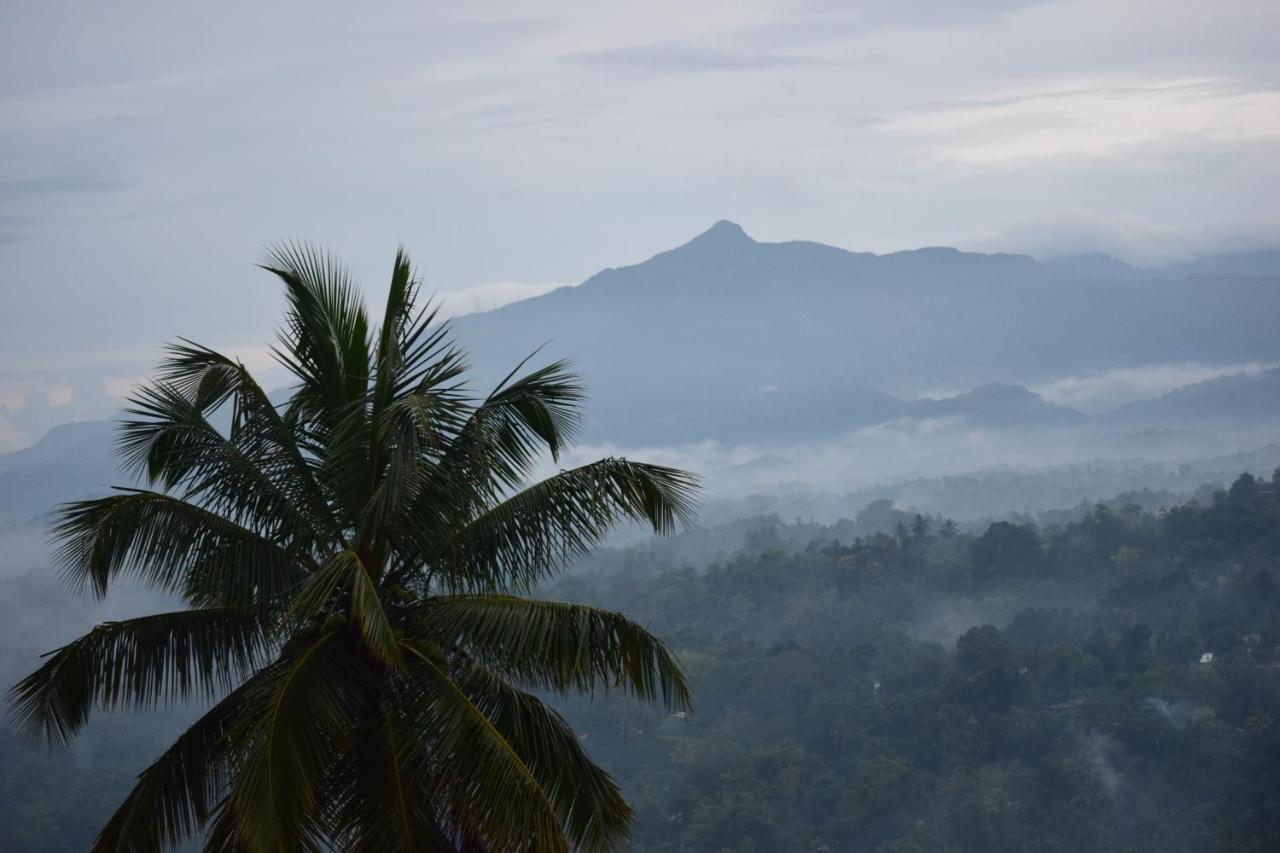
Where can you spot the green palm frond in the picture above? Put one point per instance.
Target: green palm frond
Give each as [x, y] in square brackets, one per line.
[170, 440]
[520, 418]
[257, 426]
[172, 545]
[137, 662]
[556, 646]
[535, 532]
[178, 792]
[410, 436]
[343, 588]
[222, 835]
[376, 805]
[466, 764]
[591, 809]
[294, 722]
[325, 343]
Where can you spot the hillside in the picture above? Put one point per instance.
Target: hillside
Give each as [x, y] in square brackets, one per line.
[669, 343]
[1249, 397]
[70, 462]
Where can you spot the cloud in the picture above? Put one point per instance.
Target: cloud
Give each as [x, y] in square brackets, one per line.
[28, 408]
[16, 228]
[1101, 392]
[58, 396]
[921, 14]
[1099, 751]
[120, 388]
[486, 297]
[18, 395]
[679, 58]
[1134, 238]
[1109, 117]
[67, 180]
[11, 437]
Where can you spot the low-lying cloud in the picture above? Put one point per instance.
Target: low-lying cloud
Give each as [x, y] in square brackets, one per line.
[1136, 239]
[486, 297]
[1107, 390]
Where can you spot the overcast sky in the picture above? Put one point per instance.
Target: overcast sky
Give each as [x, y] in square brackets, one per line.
[150, 150]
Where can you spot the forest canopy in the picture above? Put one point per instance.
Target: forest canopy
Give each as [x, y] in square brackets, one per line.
[1109, 681]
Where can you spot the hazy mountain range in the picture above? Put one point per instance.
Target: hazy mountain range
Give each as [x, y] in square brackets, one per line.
[1230, 399]
[779, 344]
[684, 341]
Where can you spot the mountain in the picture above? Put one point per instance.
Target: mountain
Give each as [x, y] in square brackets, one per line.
[743, 342]
[1242, 398]
[71, 461]
[999, 406]
[1098, 263]
[1264, 263]
[681, 344]
[775, 414]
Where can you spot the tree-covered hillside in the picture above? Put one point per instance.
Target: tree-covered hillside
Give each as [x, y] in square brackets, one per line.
[848, 696]
[892, 683]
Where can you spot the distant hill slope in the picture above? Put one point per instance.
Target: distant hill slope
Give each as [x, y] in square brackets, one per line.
[805, 412]
[701, 329]
[1236, 399]
[1264, 263]
[730, 339]
[75, 460]
[70, 462]
[999, 406]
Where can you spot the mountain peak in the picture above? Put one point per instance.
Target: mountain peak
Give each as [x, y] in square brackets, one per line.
[723, 233]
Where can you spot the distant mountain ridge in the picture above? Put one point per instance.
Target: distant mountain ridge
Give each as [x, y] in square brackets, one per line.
[997, 405]
[68, 463]
[1264, 262]
[77, 458]
[701, 328]
[733, 340]
[1247, 397]
[806, 412]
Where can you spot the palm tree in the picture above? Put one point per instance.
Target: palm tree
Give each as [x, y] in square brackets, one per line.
[352, 561]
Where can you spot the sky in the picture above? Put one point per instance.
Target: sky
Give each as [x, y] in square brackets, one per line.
[150, 151]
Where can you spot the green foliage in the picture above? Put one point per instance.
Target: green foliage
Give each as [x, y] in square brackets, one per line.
[850, 697]
[363, 702]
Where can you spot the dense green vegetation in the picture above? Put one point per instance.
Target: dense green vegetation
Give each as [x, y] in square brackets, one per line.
[1086, 722]
[828, 717]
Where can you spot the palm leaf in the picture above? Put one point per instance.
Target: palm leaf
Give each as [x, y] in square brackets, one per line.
[172, 545]
[345, 573]
[586, 799]
[257, 425]
[376, 804]
[171, 441]
[556, 646]
[522, 416]
[297, 720]
[137, 662]
[537, 531]
[176, 795]
[467, 766]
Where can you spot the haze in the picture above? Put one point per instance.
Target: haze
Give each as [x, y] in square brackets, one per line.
[150, 152]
